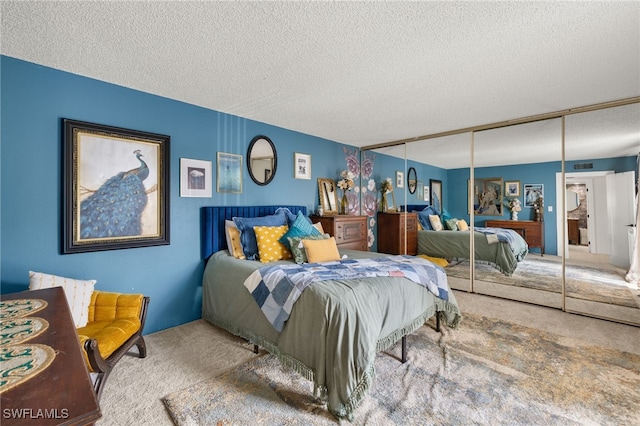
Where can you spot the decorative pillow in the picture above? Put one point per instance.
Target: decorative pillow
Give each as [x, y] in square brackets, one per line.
[462, 225]
[248, 236]
[301, 227]
[445, 216]
[321, 250]
[452, 224]
[318, 226]
[423, 217]
[236, 247]
[270, 248]
[435, 222]
[288, 215]
[77, 292]
[297, 248]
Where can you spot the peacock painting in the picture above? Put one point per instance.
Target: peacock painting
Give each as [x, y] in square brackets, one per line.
[115, 208]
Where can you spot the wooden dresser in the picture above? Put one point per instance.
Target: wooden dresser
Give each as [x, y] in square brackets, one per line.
[391, 233]
[531, 231]
[350, 232]
[573, 231]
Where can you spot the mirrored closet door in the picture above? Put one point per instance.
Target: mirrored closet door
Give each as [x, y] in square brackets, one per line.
[599, 189]
[514, 191]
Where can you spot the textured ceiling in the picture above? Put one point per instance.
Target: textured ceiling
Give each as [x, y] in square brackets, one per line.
[358, 73]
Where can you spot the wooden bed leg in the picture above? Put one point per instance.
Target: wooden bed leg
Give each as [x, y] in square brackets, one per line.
[404, 349]
[438, 321]
[255, 349]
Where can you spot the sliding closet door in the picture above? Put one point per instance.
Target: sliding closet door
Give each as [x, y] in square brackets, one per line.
[442, 171]
[514, 187]
[600, 206]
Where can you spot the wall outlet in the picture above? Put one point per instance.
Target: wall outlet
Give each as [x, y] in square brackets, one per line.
[550, 208]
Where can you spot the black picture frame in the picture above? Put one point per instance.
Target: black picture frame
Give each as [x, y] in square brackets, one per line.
[115, 188]
[412, 180]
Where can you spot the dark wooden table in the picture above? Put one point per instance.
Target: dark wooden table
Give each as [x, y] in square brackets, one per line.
[62, 394]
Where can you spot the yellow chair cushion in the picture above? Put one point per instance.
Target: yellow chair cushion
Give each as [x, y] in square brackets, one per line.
[107, 306]
[109, 334]
[113, 319]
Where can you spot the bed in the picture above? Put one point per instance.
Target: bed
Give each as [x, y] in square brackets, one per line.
[501, 248]
[334, 329]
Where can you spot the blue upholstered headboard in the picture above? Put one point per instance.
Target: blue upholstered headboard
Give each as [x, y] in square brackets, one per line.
[416, 207]
[213, 217]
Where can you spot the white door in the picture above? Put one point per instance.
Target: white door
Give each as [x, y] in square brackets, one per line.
[621, 194]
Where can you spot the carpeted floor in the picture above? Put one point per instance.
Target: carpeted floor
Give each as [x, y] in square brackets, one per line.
[489, 371]
[539, 273]
[195, 352]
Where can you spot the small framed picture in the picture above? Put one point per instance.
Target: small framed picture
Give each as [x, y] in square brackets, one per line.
[426, 194]
[512, 188]
[399, 179]
[229, 172]
[301, 166]
[195, 178]
[532, 192]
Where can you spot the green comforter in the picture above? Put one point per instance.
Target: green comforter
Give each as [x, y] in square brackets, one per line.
[335, 328]
[455, 245]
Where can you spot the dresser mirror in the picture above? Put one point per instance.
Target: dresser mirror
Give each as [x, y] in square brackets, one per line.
[262, 160]
[328, 196]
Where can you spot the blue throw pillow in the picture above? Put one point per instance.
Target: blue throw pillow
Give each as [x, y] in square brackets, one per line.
[301, 227]
[248, 236]
[288, 214]
[423, 217]
[445, 216]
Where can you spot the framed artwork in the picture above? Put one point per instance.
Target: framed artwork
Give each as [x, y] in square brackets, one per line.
[116, 188]
[420, 190]
[399, 179]
[195, 178]
[426, 194]
[512, 188]
[487, 196]
[532, 191]
[436, 194]
[301, 166]
[229, 172]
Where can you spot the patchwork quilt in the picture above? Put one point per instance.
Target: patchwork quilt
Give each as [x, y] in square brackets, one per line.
[275, 288]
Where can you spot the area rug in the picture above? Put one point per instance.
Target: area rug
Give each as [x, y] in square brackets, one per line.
[586, 283]
[487, 371]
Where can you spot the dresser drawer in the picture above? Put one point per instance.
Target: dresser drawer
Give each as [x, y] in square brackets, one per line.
[349, 232]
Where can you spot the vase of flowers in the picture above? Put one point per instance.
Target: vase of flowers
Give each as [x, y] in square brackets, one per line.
[345, 183]
[515, 206]
[385, 187]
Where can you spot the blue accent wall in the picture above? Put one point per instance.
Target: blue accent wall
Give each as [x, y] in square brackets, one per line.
[34, 100]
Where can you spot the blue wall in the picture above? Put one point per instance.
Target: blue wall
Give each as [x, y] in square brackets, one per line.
[34, 99]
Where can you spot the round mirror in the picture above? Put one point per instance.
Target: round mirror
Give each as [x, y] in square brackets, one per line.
[262, 160]
[412, 180]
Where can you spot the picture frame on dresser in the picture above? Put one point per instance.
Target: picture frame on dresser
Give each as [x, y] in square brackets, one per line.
[116, 188]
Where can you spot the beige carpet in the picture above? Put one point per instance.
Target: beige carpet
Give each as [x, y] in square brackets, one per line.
[488, 371]
[196, 352]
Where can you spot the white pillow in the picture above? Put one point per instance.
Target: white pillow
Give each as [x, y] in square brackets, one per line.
[436, 223]
[78, 293]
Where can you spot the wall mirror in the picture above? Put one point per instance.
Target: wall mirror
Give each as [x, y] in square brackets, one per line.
[412, 180]
[262, 160]
[328, 196]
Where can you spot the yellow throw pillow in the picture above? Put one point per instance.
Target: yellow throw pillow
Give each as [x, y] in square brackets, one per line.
[269, 248]
[321, 250]
[436, 223]
[236, 246]
[462, 225]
